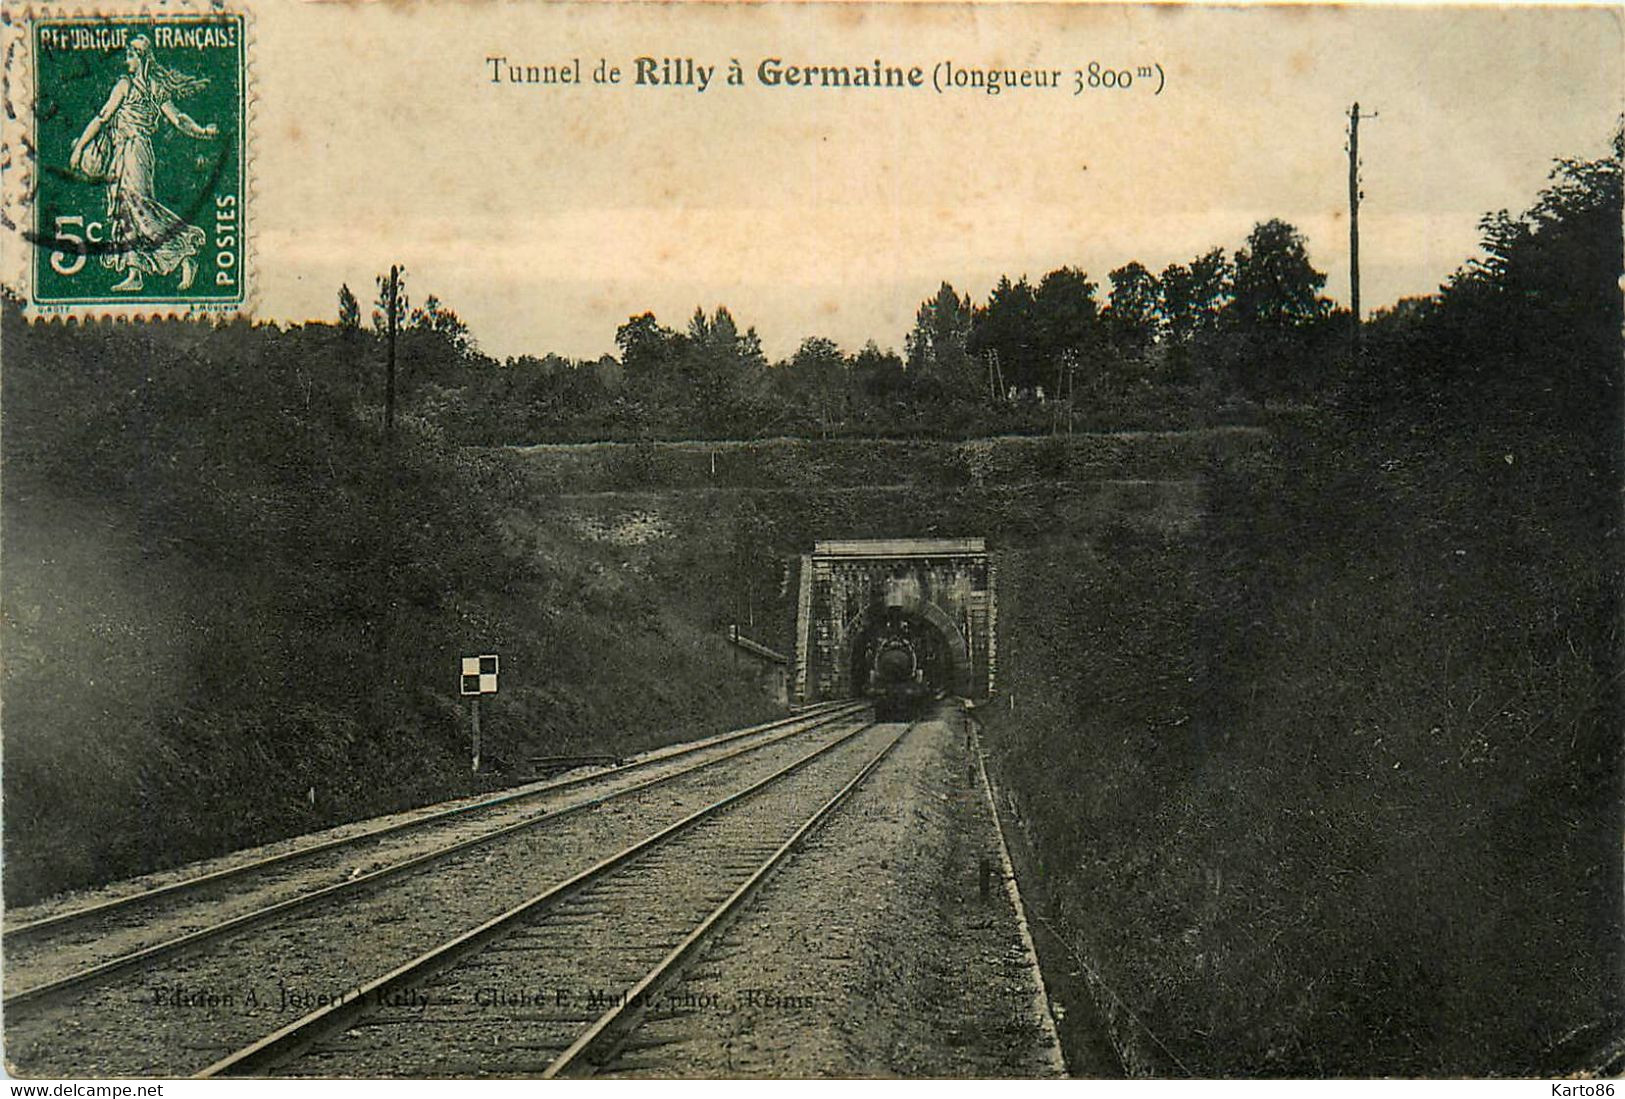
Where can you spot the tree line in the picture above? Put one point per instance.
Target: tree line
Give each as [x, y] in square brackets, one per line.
[1214, 338]
[1007, 363]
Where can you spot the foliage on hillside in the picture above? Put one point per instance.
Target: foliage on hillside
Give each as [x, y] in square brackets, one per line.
[1334, 788]
[811, 465]
[232, 612]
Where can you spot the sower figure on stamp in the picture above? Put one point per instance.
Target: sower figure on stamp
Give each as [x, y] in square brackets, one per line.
[116, 148]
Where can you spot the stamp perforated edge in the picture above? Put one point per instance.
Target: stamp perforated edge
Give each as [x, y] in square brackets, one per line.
[19, 167]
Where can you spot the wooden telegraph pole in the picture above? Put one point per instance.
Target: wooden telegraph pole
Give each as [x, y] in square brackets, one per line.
[389, 377]
[1354, 221]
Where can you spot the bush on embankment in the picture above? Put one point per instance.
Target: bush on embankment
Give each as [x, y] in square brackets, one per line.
[231, 613]
[929, 466]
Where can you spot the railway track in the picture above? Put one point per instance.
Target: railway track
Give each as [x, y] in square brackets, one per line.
[66, 918]
[98, 1000]
[553, 985]
[124, 932]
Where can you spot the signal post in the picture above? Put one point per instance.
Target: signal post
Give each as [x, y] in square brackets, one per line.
[479, 677]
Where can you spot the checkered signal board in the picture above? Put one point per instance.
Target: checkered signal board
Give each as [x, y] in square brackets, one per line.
[479, 675]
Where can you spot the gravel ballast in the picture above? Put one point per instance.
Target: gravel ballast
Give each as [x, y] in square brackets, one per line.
[873, 952]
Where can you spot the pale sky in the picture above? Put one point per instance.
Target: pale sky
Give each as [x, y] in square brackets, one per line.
[546, 215]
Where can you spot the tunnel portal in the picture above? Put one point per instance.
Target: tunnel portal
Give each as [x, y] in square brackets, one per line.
[937, 593]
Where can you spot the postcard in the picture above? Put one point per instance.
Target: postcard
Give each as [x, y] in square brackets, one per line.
[799, 540]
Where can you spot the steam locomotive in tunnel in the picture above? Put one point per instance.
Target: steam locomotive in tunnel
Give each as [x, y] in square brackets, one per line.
[901, 669]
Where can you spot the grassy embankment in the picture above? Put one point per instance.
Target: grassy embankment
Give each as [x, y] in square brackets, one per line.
[232, 614]
[1333, 787]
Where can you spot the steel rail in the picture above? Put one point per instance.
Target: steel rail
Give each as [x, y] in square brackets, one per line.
[599, 1039]
[291, 1040]
[357, 885]
[102, 908]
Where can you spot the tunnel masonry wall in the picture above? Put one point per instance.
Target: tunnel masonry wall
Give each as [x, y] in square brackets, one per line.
[947, 582]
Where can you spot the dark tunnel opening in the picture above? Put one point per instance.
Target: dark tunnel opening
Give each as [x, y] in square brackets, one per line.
[896, 642]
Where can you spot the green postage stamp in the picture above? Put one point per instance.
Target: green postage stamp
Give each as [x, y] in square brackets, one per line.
[140, 163]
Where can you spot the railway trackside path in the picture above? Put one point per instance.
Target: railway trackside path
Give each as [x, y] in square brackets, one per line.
[872, 953]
